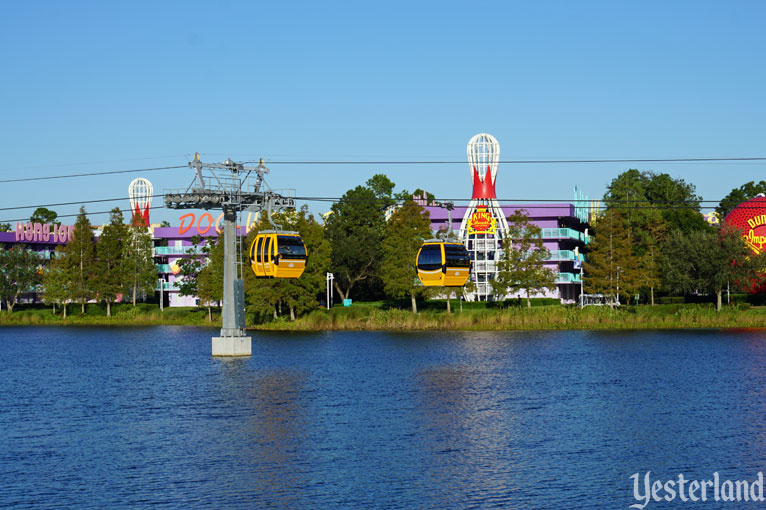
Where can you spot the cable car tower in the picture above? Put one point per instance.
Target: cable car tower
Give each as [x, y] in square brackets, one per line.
[484, 225]
[233, 188]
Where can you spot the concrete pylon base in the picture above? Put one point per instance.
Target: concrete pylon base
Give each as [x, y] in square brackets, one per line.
[232, 346]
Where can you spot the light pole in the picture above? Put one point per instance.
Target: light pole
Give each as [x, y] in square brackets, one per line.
[578, 263]
[329, 279]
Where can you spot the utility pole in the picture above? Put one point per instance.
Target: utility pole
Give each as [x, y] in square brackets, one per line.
[450, 206]
[329, 278]
[578, 265]
[231, 187]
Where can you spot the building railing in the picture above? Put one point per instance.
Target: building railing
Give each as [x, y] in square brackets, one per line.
[484, 288]
[563, 233]
[484, 265]
[568, 278]
[166, 286]
[484, 244]
[163, 268]
[176, 250]
[557, 255]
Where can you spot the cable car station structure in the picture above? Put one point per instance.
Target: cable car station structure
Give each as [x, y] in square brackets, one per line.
[233, 188]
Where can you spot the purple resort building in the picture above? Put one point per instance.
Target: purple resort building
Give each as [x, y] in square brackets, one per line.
[563, 229]
[481, 226]
[174, 243]
[170, 245]
[564, 234]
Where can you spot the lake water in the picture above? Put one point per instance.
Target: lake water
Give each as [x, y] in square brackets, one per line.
[139, 417]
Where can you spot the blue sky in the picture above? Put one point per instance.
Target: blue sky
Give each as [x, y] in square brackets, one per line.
[92, 86]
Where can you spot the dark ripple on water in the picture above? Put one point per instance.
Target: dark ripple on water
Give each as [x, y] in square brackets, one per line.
[131, 418]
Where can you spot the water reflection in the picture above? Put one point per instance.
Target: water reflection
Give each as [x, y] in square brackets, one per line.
[131, 418]
[271, 434]
[466, 425]
[277, 434]
[751, 401]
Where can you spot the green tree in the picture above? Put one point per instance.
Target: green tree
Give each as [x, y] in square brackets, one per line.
[684, 204]
[138, 268]
[19, 272]
[649, 262]
[355, 232]
[5, 227]
[706, 261]
[430, 197]
[109, 278]
[43, 215]
[383, 188]
[191, 265]
[210, 277]
[612, 269]
[738, 195]
[521, 266]
[302, 293]
[200, 255]
[80, 260]
[643, 198]
[405, 232]
[262, 295]
[266, 296]
[55, 281]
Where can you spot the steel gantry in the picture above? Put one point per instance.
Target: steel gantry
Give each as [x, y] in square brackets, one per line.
[233, 188]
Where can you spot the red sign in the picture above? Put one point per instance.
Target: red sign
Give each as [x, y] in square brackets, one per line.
[481, 221]
[750, 217]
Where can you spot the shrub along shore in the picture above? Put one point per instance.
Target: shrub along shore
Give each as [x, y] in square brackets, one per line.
[381, 316]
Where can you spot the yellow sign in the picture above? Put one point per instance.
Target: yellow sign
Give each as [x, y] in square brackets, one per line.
[756, 236]
[481, 221]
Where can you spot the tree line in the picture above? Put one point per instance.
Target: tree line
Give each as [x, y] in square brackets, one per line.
[120, 264]
[650, 239]
[372, 254]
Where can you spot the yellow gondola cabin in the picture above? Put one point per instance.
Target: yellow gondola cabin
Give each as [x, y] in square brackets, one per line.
[278, 255]
[443, 264]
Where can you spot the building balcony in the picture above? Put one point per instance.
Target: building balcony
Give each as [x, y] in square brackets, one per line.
[484, 244]
[563, 233]
[166, 286]
[176, 250]
[568, 278]
[563, 255]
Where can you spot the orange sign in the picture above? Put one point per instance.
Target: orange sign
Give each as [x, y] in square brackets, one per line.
[206, 223]
[481, 221]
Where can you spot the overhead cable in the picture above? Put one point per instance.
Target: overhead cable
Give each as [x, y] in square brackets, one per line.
[90, 174]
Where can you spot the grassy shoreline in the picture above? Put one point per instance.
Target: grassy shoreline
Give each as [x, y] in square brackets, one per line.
[378, 317]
